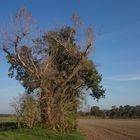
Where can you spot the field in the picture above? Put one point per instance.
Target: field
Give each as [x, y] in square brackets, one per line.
[94, 129]
[111, 129]
[8, 131]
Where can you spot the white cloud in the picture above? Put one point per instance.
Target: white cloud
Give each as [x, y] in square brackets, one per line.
[124, 77]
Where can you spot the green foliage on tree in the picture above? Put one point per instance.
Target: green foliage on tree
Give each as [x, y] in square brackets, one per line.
[125, 111]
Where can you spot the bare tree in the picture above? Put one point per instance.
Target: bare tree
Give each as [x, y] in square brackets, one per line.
[17, 110]
[55, 65]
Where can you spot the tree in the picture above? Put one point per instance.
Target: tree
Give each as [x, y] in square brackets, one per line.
[55, 65]
[95, 110]
[26, 110]
[16, 104]
[113, 112]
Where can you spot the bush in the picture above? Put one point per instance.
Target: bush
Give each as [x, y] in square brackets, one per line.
[26, 110]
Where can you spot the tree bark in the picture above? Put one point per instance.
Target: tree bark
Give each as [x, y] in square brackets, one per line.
[43, 108]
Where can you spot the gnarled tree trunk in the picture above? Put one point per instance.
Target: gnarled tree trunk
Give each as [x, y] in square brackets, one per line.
[58, 113]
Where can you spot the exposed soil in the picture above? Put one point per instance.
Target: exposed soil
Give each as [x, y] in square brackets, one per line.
[104, 129]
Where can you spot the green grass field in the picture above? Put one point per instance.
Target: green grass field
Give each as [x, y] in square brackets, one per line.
[7, 119]
[37, 133]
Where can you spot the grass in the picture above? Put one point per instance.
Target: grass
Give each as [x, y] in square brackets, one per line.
[36, 133]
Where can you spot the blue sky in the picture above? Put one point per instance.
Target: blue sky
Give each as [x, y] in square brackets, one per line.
[117, 44]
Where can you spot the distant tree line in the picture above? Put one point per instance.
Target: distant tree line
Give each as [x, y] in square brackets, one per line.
[6, 115]
[125, 111]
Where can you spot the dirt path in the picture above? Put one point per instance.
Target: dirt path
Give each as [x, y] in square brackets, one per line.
[110, 129]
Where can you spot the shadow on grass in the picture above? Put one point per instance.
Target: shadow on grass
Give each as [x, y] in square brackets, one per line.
[8, 125]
